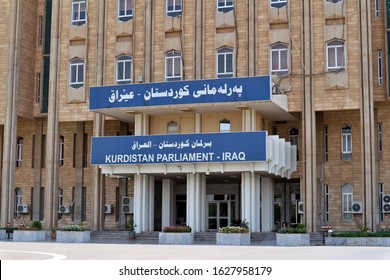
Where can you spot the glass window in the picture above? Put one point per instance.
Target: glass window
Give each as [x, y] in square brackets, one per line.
[38, 88]
[278, 3]
[326, 200]
[334, 1]
[173, 8]
[172, 128]
[380, 142]
[61, 152]
[19, 152]
[294, 138]
[173, 66]
[380, 70]
[335, 55]
[326, 152]
[40, 30]
[123, 70]
[347, 198]
[224, 126]
[225, 63]
[76, 73]
[225, 6]
[346, 143]
[125, 10]
[377, 8]
[79, 14]
[279, 62]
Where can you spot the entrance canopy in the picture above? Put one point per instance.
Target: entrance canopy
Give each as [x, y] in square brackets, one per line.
[194, 153]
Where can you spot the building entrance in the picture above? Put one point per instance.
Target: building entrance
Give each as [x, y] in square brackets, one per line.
[220, 211]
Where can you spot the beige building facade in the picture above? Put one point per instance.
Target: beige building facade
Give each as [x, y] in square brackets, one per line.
[327, 63]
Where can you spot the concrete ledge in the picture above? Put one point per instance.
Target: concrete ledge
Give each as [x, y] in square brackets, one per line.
[3, 234]
[233, 238]
[29, 235]
[292, 239]
[358, 241]
[73, 236]
[182, 238]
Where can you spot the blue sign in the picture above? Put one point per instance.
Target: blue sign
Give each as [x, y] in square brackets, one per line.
[180, 148]
[181, 92]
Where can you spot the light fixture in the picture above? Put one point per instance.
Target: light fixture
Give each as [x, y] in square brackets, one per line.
[187, 110]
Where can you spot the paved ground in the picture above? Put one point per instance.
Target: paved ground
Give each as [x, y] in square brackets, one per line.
[149, 250]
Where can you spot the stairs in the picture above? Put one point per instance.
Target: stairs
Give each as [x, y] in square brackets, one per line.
[110, 234]
[316, 239]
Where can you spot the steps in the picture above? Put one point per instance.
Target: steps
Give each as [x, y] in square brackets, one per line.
[316, 239]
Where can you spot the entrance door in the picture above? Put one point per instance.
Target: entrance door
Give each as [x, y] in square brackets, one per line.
[218, 214]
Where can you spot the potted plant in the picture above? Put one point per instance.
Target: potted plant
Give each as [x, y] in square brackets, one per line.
[237, 234]
[53, 232]
[359, 238]
[176, 235]
[131, 227]
[295, 236]
[73, 234]
[29, 233]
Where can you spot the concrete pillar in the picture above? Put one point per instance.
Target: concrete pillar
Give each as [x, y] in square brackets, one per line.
[191, 201]
[52, 143]
[151, 204]
[37, 181]
[267, 204]
[138, 195]
[145, 207]
[79, 172]
[246, 197]
[167, 188]
[255, 226]
[98, 126]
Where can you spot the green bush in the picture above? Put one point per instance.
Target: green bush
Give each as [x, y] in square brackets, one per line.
[361, 234]
[233, 229]
[298, 229]
[36, 225]
[73, 228]
[177, 229]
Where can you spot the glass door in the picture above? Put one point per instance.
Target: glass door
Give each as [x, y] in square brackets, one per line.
[218, 214]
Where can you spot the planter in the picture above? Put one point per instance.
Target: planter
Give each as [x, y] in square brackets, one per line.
[233, 238]
[179, 238]
[29, 235]
[3, 234]
[131, 235]
[73, 236]
[358, 241]
[292, 239]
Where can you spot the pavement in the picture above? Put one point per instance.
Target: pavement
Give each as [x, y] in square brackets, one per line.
[122, 249]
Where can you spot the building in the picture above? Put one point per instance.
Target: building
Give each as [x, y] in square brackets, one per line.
[108, 108]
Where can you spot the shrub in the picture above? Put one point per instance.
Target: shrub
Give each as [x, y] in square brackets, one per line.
[177, 229]
[298, 229]
[73, 228]
[361, 234]
[233, 229]
[131, 225]
[37, 225]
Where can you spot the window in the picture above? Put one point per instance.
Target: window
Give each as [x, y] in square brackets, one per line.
[335, 55]
[43, 151]
[79, 15]
[123, 70]
[173, 66]
[333, 1]
[19, 151]
[347, 198]
[38, 88]
[125, 10]
[381, 193]
[278, 3]
[40, 30]
[225, 63]
[380, 143]
[76, 73]
[346, 143]
[60, 197]
[172, 128]
[279, 64]
[326, 201]
[294, 138]
[225, 6]
[174, 8]
[18, 199]
[377, 8]
[61, 152]
[224, 126]
[326, 152]
[380, 73]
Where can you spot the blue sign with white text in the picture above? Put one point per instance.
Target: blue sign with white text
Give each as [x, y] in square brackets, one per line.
[180, 148]
[181, 92]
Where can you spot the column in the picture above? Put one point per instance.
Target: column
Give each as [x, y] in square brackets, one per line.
[255, 203]
[267, 204]
[246, 197]
[138, 195]
[167, 188]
